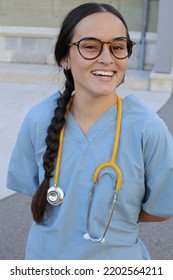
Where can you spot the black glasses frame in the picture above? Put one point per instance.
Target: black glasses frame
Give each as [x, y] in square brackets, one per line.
[130, 45]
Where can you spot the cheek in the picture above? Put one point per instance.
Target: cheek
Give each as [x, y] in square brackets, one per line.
[76, 70]
[79, 67]
[77, 63]
[125, 64]
[122, 68]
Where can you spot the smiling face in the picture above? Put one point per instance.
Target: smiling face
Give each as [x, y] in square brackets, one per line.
[100, 76]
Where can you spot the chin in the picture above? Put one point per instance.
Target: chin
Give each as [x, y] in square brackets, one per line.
[104, 93]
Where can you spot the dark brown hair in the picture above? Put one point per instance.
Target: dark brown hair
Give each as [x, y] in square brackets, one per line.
[39, 202]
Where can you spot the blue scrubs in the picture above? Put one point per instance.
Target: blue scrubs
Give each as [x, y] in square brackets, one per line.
[145, 157]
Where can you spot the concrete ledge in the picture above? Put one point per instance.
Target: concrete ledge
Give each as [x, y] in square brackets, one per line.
[34, 32]
[161, 82]
[136, 79]
[30, 73]
[51, 74]
[27, 44]
[36, 45]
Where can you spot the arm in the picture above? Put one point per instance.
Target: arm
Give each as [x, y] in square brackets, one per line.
[145, 217]
[158, 162]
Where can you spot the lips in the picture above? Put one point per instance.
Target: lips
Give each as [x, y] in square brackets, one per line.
[103, 73]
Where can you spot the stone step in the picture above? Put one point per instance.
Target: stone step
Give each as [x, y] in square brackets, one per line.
[137, 79]
[44, 74]
[29, 73]
[51, 74]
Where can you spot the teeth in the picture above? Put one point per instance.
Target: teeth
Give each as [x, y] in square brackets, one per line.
[103, 73]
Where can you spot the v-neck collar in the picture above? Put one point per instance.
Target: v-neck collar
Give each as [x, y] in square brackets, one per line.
[85, 139]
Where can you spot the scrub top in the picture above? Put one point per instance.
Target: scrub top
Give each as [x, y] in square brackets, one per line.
[145, 157]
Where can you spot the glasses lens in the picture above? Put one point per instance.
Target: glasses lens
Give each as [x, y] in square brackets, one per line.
[119, 47]
[89, 48]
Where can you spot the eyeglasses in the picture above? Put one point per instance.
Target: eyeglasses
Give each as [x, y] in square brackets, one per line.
[90, 48]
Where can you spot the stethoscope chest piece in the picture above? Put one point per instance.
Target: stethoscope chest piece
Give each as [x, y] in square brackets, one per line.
[55, 195]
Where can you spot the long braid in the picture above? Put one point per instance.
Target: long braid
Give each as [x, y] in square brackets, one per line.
[39, 202]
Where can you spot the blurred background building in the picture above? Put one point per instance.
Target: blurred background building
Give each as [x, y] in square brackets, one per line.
[28, 31]
[49, 13]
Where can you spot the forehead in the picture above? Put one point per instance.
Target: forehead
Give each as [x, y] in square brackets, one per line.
[103, 25]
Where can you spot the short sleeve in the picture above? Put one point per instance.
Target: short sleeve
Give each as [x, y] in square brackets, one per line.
[158, 157]
[23, 170]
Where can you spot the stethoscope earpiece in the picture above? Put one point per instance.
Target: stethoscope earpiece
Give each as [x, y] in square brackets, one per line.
[55, 195]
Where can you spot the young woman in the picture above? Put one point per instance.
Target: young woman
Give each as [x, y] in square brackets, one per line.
[95, 165]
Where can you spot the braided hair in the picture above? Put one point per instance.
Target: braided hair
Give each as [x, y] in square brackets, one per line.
[39, 202]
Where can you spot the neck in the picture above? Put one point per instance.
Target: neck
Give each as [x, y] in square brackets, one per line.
[88, 110]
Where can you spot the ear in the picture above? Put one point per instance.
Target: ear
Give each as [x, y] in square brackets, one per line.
[65, 63]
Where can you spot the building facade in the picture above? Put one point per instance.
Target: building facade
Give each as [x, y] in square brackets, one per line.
[49, 13]
[28, 31]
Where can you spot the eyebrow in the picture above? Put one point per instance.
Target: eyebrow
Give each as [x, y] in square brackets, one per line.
[95, 38]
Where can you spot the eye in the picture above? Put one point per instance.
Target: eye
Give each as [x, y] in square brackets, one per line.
[118, 47]
[90, 45]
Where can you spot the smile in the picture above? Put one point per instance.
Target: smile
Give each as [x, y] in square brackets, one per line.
[103, 73]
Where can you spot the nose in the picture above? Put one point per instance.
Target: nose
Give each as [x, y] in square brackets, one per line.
[106, 56]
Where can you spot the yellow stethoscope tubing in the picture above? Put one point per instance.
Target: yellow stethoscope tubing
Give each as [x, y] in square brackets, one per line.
[56, 177]
[59, 154]
[111, 163]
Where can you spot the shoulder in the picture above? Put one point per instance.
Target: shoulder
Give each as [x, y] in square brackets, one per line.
[134, 105]
[41, 113]
[141, 114]
[38, 118]
[44, 108]
[143, 122]
[145, 125]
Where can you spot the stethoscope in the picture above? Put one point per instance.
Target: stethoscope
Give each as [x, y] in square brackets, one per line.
[55, 194]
